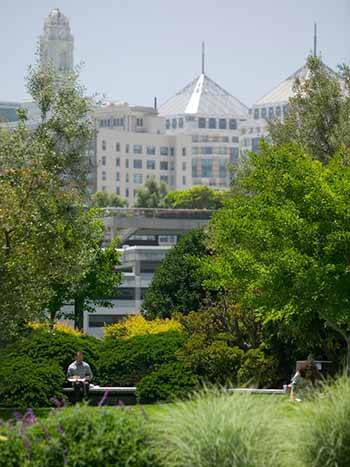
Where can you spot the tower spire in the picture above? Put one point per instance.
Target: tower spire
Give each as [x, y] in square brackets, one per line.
[315, 39]
[203, 57]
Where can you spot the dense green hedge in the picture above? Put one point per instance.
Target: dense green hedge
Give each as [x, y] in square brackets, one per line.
[53, 345]
[25, 382]
[81, 436]
[169, 382]
[124, 362]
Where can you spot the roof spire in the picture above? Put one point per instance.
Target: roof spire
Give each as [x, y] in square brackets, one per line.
[203, 58]
[315, 39]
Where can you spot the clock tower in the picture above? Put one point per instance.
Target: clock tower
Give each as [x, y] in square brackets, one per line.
[57, 43]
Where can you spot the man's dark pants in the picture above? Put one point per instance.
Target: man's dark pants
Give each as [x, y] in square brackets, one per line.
[81, 390]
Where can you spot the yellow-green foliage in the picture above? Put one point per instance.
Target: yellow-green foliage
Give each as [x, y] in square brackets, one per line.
[138, 326]
[58, 327]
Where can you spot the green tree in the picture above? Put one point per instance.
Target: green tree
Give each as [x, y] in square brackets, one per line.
[318, 115]
[177, 283]
[46, 236]
[152, 194]
[197, 197]
[102, 199]
[283, 250]
[99, 282]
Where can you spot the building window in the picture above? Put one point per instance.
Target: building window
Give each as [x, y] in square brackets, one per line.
[137, 178]
[174, 123]
[164, 151]
[104, 159]
[278, 111]
[117, 190]
[207, 168]
[172, 151]
[167, 124]
[271, 112]
[126, 163]
[127, 192]
[184, 151]
[201, 123]
[163, 165]
[233, 155]
[117, 176]
[184, 180]
[256, 114]
[222, 169]
[117, 147]
[104, 145]
[127, 149]
[164, 178]
[222, 124]
[233, 124]
[127, 178]
[117, 162]
[137, 164]
[181, 122]
[194, 168]
[104, 188]
[139, 122]
[151, 165]
[137, 148]
[184, 166]
[263, 113]
[285, 109]
[212, 123]
[235, 139]
[151, 150]
[104, 175]
[256, 145]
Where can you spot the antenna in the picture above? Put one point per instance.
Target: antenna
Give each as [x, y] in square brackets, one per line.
[315, 39]
[203, 57]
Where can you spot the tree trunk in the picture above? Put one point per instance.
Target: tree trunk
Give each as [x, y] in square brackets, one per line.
[347, 366]
[78, 314]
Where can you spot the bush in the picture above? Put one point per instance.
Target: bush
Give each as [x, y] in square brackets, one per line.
[27, 383]
[53, 345]
[323, 426]
[81, 436]
[256, 370]
[213, 362]
[124, 362]
[219, 430]
[169, 382]
[138, 326]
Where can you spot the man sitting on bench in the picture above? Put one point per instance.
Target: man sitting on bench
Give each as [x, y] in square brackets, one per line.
[79, 374]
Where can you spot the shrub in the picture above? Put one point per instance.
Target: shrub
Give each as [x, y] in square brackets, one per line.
[27, 383]
[256, 370]
[323, 426]
[53, 345]
[82, 436]
[138, 326]
[124, 362]
[61, 327]
[168, 382]
[213, 362]
[219, 430]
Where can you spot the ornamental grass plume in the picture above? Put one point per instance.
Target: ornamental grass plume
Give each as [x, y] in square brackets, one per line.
[323, 428]
[219, 429]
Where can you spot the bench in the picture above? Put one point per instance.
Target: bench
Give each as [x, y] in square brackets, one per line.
[116, 394]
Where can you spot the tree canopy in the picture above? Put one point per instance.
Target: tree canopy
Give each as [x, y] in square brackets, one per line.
[318, 115]
[152, 195]
[282, 245]
[103, 199]
[197, 197]
[177, 283]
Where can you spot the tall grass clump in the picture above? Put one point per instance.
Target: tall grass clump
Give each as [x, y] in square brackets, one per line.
[324, 428]
[219, 429]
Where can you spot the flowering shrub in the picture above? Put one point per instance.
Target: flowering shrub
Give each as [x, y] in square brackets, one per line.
[60, 327]
[137, 325]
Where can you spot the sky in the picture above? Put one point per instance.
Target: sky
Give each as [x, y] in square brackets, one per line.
[133, 50]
